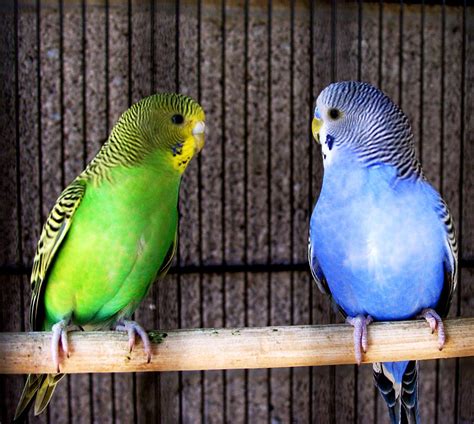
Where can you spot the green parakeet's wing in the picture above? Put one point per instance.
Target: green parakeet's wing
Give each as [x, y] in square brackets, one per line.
[168, 258]
[54, 230]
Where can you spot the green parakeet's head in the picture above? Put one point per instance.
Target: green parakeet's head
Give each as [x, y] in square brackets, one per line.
[166, 125]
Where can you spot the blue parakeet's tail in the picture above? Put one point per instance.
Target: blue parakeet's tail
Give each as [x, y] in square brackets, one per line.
[398, 384]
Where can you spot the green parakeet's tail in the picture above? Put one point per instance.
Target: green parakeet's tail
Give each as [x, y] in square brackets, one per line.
[40, 385]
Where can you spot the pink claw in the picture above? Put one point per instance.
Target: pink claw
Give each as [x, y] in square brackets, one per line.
[360, 324]
[132, 328]
[435, 322]
[59, 338]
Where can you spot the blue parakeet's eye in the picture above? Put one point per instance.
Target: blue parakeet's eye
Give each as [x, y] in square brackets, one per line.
[177, 119]
[334, 114]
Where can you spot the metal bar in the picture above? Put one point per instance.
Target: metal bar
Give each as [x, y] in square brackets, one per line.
[269, 188]
[292, 188]
[39, 107]
[246, 193]
[219, 268]
[19, 205]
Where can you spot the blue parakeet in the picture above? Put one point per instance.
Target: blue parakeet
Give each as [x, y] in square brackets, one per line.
[381, 240]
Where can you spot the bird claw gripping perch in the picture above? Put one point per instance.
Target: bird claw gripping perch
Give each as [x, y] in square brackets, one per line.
[436, 323]
[132, 328]
[59, 338]
[360, 324]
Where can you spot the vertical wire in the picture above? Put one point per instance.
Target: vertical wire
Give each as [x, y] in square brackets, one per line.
[359, 73]
[441, 166]
[176, 43]
[380, 86]
[331, 314]
[106, 63]
[380, 43]
[62, 144]
[292, 184]
[107, 130]
[61, 93]
[269, 190]
[461, 197]
[129, 53]
[359, 41]
[310, 184]
[178, 242]
[200, 237]
[39, 107]
[152, 47]
[19, 205]
[84, 146]
[246, 194]
[442, 86]
[40, 127]
[422, 81]
[400, 56]
[333, 40]
[84, 83]
[223, 186]
[130, 100]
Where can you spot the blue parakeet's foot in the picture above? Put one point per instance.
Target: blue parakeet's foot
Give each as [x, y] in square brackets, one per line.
[59, 338]
[360, 323]
[132, 328]
[436, 323]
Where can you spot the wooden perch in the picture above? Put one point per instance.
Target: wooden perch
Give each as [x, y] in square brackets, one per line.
[211, 349]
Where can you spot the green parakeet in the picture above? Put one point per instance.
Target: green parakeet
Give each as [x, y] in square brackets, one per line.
[112, 231]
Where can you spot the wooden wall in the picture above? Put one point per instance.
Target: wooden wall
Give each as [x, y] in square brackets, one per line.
[68, 69]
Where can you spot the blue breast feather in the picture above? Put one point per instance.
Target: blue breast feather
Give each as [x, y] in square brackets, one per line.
[378, 241]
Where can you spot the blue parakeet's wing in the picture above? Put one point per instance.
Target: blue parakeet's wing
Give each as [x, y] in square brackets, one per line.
[53, 233]
[451, 259]
[316, 270]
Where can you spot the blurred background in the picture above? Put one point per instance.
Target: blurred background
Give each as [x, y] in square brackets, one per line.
[68, 68]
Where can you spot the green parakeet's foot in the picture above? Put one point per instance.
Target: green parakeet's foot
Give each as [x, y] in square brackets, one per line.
[132, 328]
[360, 324]
[435, 322]
[59, 338]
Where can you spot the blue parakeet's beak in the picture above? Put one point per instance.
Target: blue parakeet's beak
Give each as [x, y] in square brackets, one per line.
[316, 125]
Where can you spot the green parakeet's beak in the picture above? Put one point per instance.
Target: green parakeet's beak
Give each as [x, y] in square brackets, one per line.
[199, 130]
[315, 127]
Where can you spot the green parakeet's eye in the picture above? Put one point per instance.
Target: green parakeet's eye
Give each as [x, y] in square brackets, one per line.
[177, 119]
[334, 114]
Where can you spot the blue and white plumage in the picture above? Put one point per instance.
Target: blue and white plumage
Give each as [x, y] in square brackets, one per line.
[381, 242]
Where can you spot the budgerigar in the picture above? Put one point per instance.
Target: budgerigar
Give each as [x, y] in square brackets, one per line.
[112, 231]
[382, 241]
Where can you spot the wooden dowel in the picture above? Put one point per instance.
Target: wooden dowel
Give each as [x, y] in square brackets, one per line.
[229, 348]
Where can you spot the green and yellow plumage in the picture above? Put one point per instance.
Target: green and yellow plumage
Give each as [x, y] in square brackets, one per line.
[113, 229]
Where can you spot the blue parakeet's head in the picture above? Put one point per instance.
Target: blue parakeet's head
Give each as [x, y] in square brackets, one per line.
[359, 119]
